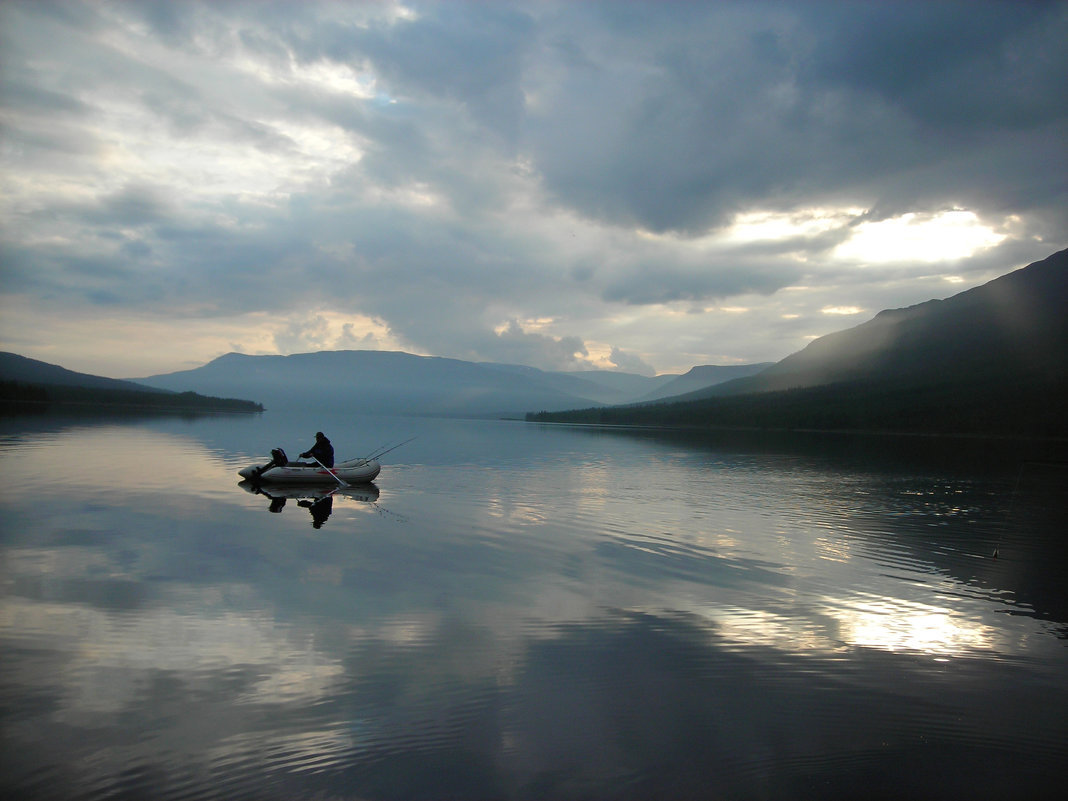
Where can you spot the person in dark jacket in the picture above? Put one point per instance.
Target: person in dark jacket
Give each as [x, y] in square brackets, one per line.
[321, 450]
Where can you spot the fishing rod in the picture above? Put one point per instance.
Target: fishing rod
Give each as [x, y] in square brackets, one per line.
[381, 452]
[379, 449]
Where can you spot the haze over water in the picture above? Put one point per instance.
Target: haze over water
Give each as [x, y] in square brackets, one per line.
[516, 611]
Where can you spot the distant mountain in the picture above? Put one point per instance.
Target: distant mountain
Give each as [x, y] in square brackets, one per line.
[705, 376]
[993, 359]
[397, 383]
[29, 381]
[598, 386]
[371, 382]
[626, 387]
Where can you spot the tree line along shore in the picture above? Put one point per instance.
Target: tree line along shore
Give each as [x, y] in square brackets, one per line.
[25, 394]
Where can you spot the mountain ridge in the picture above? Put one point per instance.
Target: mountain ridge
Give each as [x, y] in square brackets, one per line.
[990, 360]
[379, 381]
[705, 376]
[1014, 324]
[34, 371]
[401, 383]
[26, 382]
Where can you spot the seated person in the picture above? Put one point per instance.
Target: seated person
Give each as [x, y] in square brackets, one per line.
[321, 450]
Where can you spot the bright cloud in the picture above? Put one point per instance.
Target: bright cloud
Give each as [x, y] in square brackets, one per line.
[927, 238]
[841, 310]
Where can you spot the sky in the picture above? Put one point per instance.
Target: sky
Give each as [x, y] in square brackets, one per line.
[636, 186]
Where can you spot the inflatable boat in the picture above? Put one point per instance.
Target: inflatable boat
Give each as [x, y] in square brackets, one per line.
[282, 471]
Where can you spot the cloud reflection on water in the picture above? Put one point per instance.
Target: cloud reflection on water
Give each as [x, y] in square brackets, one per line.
[523, 628]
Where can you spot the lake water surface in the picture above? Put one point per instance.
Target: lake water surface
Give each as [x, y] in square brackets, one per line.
[516, 611]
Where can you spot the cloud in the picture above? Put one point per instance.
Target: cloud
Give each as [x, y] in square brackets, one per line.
[619, 170]
[630, 363]
[514, 345]
[309, 334]
[472, 55]
[959, 66]
[656, 283]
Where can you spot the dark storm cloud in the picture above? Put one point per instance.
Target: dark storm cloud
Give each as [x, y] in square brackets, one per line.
[34, 100]
[169, 21]
[472, 55]
[653, 283]
[65, 279]
[133, 205]
[671, 123]
[762, 104]
[963, 67]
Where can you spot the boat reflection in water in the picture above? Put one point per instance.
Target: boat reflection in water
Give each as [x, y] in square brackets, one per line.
[316, 498]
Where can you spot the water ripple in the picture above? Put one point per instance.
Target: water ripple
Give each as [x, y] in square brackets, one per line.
[525, 612]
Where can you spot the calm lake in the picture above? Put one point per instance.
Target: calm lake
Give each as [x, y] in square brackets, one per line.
[516, 611]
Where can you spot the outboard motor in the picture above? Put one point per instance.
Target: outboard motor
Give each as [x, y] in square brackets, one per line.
[278, 459]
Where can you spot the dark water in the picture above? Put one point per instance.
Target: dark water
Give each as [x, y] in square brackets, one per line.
[525, 612]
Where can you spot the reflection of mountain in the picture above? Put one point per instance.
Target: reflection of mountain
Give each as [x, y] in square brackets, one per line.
[993, 359]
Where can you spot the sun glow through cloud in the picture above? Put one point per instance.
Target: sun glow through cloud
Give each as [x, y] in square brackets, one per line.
[945, 236]
[841, 310]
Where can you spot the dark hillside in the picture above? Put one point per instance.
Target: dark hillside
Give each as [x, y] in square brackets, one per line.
[26, 381]
[31, 371]
[958, 408]
[991, 360]
[1014, 326]
[704, 376]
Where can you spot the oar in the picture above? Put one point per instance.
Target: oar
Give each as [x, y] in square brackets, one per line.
[331, 472]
